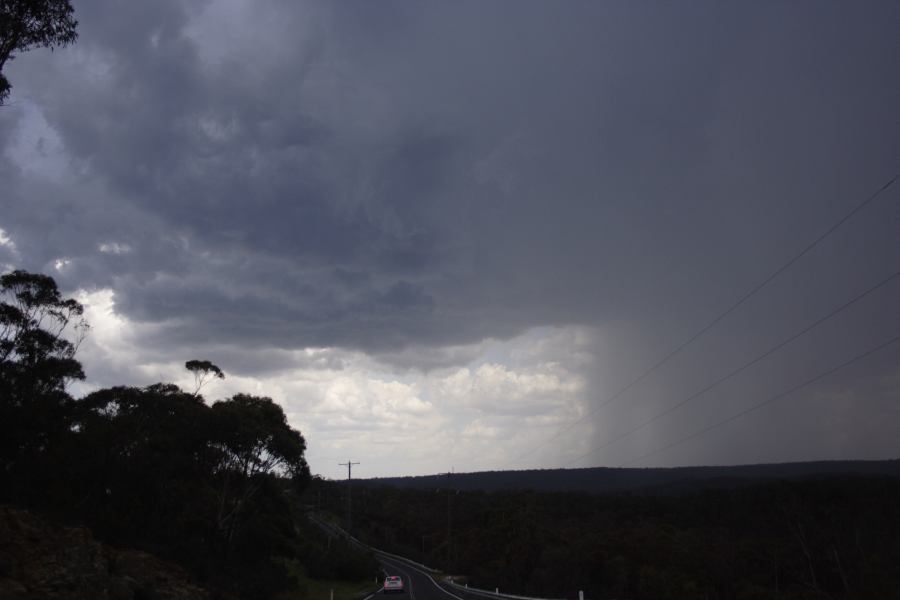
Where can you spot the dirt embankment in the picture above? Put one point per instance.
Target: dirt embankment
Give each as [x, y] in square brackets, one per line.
[40, 560]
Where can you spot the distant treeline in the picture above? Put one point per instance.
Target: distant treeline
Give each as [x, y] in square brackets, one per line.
[211, 487]
[602, 480]
[834, 537]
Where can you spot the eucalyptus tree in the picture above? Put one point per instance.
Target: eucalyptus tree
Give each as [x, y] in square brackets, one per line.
[39, 335]
[204, 371]
[26, 24]
[256, 444]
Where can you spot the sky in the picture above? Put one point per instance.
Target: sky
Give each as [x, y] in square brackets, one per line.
[445, 236]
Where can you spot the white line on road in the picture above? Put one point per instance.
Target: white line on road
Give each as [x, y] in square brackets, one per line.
[412, 595]
[394, 564]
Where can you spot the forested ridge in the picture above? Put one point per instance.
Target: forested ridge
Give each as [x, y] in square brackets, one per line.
[656, 480]
[211, 486]
[834, 537]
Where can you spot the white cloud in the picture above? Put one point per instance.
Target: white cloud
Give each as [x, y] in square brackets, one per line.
[114, 248]
[112, 353]
[348, 405]
[479, 430]
[8, 252]
[496, 389]
[5, 240]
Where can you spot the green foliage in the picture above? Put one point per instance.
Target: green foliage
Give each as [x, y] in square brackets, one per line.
[337, 559]
[26, 24]
[154, 468]
[34, 352]
[254, 437]
[144, 450]
[207, 486]
[253, 443]
[830, 537]
[315, 587]
[36, 362]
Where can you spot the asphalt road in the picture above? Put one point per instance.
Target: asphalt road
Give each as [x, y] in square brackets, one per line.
[418, 585]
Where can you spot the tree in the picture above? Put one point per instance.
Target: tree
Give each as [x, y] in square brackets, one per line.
[256, 444]
[36, 362]
[143, 461]
[210, 487]
[203, 371]
[35, 357]
[26, 24]
[157, 467]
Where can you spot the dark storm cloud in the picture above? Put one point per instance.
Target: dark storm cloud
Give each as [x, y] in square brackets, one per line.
[408, 179]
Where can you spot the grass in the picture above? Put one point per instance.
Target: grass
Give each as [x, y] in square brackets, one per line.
[316, 589]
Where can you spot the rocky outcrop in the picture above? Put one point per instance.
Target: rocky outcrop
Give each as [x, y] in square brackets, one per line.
[39, 560]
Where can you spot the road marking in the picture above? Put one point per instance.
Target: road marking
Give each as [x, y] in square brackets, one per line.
[412, 594]
[452, 595]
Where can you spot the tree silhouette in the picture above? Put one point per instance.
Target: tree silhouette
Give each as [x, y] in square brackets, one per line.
[36, 362]
[256, 443]
[26, 24]
[213, 488]
[203, 371]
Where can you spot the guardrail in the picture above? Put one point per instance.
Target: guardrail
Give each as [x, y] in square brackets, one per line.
[445, 581]
[404, 559]
[496, 593]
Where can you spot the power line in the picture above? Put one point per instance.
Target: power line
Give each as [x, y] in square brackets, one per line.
[748, 364]
[759, 405]
[752, 292]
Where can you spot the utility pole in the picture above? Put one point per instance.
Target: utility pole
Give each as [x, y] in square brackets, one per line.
[349, 464]
[449, 527]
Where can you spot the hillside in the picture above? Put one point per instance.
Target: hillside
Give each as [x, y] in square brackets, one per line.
[600, 480]
[41, 560]
[811, 537]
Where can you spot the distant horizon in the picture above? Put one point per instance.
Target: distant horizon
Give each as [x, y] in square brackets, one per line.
[444, 474]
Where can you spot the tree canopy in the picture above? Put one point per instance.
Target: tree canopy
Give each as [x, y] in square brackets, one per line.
[26, 24]
[34, 318]
[830, 537]
[155, 467]
[39, 335]
[203, 371]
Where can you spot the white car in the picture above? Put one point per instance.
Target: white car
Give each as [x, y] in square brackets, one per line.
[393, 583]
